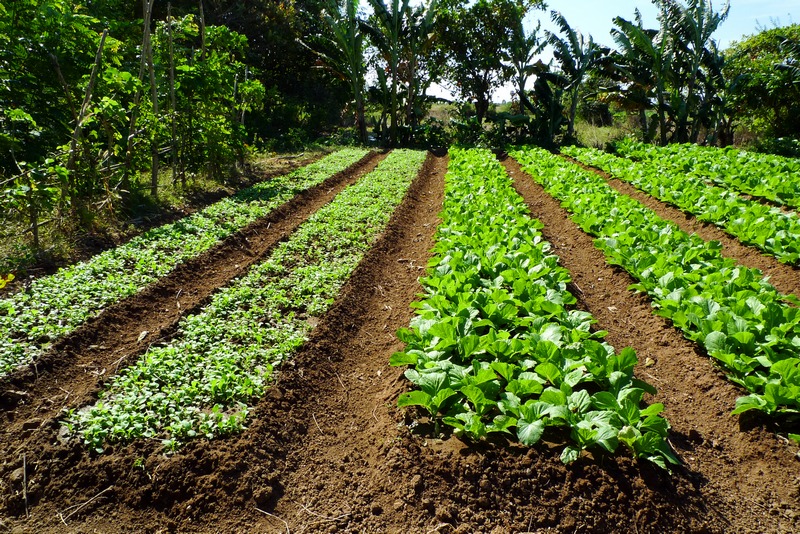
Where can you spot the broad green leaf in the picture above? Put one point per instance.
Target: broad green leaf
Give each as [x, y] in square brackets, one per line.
[529, 433]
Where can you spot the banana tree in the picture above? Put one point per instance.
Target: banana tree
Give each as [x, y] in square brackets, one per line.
[418, 39]
[385, 31]
[523, 49]
[642, 64]
[342, 52]
[576, 56]
[693, 25]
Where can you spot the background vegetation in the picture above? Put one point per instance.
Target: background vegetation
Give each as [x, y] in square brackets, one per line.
[108, 106]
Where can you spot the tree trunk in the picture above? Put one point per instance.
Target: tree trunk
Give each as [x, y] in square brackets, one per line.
[360, 117]
[573, 110]
[173, 149]
[33, 216]
[643, 124]
[202, 33]
[153, 133]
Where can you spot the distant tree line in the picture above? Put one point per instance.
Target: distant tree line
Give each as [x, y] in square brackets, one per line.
[94, 105]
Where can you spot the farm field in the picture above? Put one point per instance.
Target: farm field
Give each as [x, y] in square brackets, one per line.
[326, 449]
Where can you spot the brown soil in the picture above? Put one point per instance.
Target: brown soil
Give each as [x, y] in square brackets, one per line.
[747, 476]
[785, 278]
[327, 451]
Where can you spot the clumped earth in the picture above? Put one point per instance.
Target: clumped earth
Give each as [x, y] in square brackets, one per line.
[327, 450]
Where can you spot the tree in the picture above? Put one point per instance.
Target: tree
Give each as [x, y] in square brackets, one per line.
[403, 37]
[693, 26]
[766, 98]
[522, 51]
[342, 52]
[418, 68]
[576, 56]
[474, 39]
[385, 32]
[642, 64]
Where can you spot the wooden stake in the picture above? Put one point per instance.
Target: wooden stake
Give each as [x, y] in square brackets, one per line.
[172, 100]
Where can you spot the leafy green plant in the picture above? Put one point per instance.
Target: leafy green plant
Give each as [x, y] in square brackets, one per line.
[773, 178]
[767, 228]
[496, 346]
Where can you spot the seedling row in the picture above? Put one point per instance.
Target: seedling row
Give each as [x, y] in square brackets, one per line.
[204, 381]
[742, 321]
[53, 306]
[753, 223]
[497, 345]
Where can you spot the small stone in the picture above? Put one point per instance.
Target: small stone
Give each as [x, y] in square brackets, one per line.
[17, 476]
[31, 424]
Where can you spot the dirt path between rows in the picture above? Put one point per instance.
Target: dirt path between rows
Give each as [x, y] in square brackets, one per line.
[747, 477]
[785, 278]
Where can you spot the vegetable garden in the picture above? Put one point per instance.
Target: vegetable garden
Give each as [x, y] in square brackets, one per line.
[420, 343]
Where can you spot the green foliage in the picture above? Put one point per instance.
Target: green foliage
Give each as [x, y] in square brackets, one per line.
[766, 99]
[496, 347]
[405, 64]
[343, 53]
[204, 381]
[773, 178]
[474, 39]
[768, 228]
[69, 139]
[674, 70]
[576, 56]
[743, 322]
[53, 306]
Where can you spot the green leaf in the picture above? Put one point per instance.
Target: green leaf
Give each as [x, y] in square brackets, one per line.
[403, 358]
[569, 455]
[750, 402]
[529, 433]
[716, 342]
[501, 423]
[549, 372]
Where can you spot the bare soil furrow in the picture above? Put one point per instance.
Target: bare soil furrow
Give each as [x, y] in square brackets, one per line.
[72, 372]
[785, 278]
[746, 475]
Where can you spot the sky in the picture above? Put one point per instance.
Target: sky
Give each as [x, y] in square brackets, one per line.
[594, 17]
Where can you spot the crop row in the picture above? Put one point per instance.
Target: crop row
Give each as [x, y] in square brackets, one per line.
[200, 384]
[497, 346]
[744, 322]
[53, 306]
[774, 178]
[767, 228]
